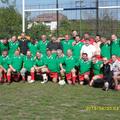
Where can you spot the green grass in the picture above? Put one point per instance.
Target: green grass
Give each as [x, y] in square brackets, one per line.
[23, 101]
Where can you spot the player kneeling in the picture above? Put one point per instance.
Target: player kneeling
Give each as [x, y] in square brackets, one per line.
[51, 64]
[84, 65]
[28, 67]
[96, 67]
[4, 66]
[70, 63]
[15, 65]
[40, 66]
[60, 61]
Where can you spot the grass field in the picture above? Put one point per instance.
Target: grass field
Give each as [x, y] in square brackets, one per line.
[23, 101]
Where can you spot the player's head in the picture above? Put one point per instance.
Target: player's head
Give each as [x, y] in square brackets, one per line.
[85, 56]
[5, 52]
[43, 37]
[113, 37]
[86, 35]
[38, 54]
[28, 53]
[23, 35]
[49, 52]
[94, 59]
[87, 42]
[114, 58]
[105, 60]
[33, 40]
[53, 39]
[77, 38]
[59, 52]
[69, 53]
[74, 33]
[17, 52]
[67, 37]
[97, 38]
[103, 39]
[14, 38]
[5, 40]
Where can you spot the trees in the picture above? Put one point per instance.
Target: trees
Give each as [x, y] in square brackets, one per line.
[10, 21]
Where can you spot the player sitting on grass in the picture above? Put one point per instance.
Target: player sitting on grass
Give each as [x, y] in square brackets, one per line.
[70, 63]
[116, 71]
[52, 66]
[15, 65]
[107, 74]
[60, 61]
[28, 67]
[96, 67]
[40, 66]
[84, 65]
[4, 66]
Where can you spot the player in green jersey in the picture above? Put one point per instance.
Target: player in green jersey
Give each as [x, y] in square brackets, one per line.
[70, 63]
[28, 66]
[4, 59]
[42, 44]
[60, 62]
[15, 65]
[105, 48]
[84, 65]
[52, 66]
[13, 45]
[96, 67]
[33, 46]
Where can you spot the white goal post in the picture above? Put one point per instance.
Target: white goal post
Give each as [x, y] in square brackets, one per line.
[54, 9]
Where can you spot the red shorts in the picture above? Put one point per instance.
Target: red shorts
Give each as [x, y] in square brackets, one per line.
[53, 75]
[69, 76]
[81, 77]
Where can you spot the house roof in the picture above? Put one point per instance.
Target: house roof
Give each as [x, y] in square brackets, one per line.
[48, 17]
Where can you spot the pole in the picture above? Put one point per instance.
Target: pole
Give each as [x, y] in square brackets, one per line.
[97, 16]
[23, 15]
[57, 14]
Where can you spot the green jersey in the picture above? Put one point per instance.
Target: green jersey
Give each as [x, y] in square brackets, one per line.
[33, 48]
[51, 63]
[76, 49]
[105, 50]
[3, 46]
[13, 46]
[4, 62]
[66, 45]
[40, 61]
[115, 47]
[70, 63]
[84, 66]
[97, 67]
[60, 60]
[16, 62]
[28, 62]
[42, 46]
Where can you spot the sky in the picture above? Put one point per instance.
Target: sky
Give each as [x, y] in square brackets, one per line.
[69, 4]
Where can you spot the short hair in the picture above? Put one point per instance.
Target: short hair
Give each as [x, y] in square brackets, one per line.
[85, 54]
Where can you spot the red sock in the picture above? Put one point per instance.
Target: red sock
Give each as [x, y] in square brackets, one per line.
[74, 79]
[4, 76]
[9, 78]
[23, 78]
[0, 79]
[32, 76]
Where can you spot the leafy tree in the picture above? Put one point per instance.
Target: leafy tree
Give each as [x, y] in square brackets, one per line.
[10, 21]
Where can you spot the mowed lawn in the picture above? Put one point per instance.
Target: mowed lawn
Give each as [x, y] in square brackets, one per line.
[23, 101]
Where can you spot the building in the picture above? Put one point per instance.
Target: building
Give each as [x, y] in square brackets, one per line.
[49, 19]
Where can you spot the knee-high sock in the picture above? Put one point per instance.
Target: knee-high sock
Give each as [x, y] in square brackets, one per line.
[9, 78]
[32, 76]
